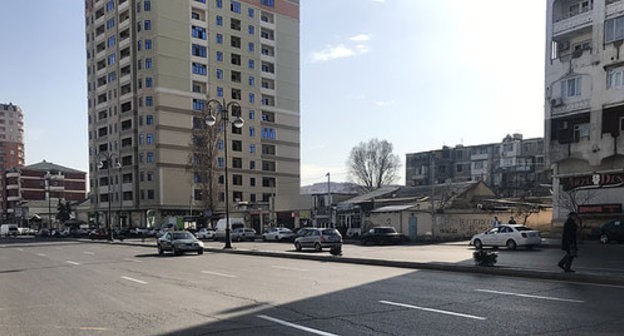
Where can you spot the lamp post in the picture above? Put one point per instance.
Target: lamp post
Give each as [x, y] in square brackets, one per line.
[48, 178]
[108, 158]
[225, 108]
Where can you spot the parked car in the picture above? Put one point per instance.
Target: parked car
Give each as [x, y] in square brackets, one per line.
[383, 235]
[509, 235]
[612, 230]
[179, 242]
[43, 233]
[205, 233]
[278, 234]
[9, 230]
[241, 234]
[101, 234]
[318, 239]
[235, 223]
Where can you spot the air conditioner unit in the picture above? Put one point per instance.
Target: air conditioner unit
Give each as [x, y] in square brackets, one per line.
[556, 102]
[565, 45]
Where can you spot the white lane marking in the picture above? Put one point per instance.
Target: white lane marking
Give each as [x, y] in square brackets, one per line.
[41, 254]
[219, 274]
[295, 326]
[133, 260]
[20, 249]
[135, 280]
[529, 296]
[480, 318]
[290, 268]
[89, 252]
[72, 262]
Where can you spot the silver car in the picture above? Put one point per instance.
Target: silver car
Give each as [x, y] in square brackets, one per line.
[318, 239]
[179, 242]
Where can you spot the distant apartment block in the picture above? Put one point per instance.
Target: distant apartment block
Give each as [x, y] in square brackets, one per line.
[584, 110]
[513, 167]
[11, 145]
[151, 67]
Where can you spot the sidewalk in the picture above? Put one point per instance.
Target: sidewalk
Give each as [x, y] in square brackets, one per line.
[601, 264]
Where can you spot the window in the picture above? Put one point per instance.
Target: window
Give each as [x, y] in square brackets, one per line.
[252, 29]
[571, 87]
[252, 148]
[252, 165]
[252, 132]
[147, 5]
[237, 179]
[199, 51]
[252, 64]
[252, 114]
[219, 38]
[219, 56]
[149, 101]
[220, 145]
[149, 157]
[219, 20]
[268, 3]
[112, 76]
[148, 44]
[219, 92]
[149, 82]
[112, 59]
[219, 3]
[220, 162]
[252, 181]
[198, 104]
[110, 5]
[252, 98]
[149, 139]
[614, 29]
[110, 42]
[615, 78]
[581, 132]
[251, 47]
[147, 24]
[199, 32]
[268, 133]
[149, 120]
[250, 12]
[200, 69]
[252, 81]
[219, 74]
[237, 146]
[148, 63]
[237, 163]
[235, 7]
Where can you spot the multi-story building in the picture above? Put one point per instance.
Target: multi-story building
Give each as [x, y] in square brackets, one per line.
[11, 145]
[584, 113]
[34, 191]
[153, 64]
[513, 168]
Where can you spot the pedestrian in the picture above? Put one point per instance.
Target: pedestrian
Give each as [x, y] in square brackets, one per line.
[568, 243]
[512, 220]
[495, 222]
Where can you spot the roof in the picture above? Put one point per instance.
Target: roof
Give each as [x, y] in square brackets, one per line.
[394, 208]
[49, 166]
[371, 195]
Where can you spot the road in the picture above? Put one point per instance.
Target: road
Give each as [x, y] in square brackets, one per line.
[74, 288]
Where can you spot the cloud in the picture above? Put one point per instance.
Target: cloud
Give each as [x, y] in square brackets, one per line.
[379, 1]
[380, 103]
[332, 52]
[360, 38]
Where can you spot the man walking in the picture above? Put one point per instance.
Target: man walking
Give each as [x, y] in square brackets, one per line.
[568, 243]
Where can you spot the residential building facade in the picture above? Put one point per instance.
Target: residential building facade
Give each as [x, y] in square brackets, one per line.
[513, 168]
[584, 110]
[11, 146]
[152, 66]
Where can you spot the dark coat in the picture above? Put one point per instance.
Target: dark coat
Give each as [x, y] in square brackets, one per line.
[568, 240]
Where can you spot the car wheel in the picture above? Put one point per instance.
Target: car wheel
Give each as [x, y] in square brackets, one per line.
[200, 251]
[263, 238]
[478, 244]
[175, 250]
[297, 246]
[318, 247]
[511, 244]
[160, 250]
[604, 238]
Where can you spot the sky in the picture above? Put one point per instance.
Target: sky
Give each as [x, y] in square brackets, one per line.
[420, 74]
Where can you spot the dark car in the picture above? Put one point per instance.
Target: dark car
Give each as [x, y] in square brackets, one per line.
[382, 235]
[100, 234]
[612, 230]
[179, 242]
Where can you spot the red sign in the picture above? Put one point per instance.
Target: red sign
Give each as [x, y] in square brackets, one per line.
[600, 208]
[608, 180]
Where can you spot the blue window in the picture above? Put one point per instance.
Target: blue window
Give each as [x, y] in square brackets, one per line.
[268, 133]
[235, 7]
[141, 157]
[149, 82]
[252, 114]
[110, 5]
[220, 145]
[252, 132]
[252, 81]
[219, 20]
[252, 64]
[250, 12]
[148, 25]
[199, 51]
[219, 38]
[268, 3]
[219, 74]
[219, 3]
[110, 23]
[219, 56]
[149, 157]
[149, 139]
[141, 139]
[251, 29]
[148, 63]
[111, 41]
[199, 32]
[112, 76]
[112, 59]
[252, 47]
[147, 5]
[252, 98]
[202, 1]
[199, 69]
[252, 148]
[148, 44]
[149, 120]
[149, 101]
[220, 162]
[198, 104]
[219, 92]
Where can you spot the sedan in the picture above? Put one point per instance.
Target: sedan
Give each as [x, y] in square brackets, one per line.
[382, 235]
[278, 234]
[205, 233]
[241, 234]
[509, 235]
[179, 242]
[612, 230]
[319, 238]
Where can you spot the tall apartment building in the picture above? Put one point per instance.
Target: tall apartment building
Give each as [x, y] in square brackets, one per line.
[11, 146]
[152, 64]
[513, 167]
[584, 113]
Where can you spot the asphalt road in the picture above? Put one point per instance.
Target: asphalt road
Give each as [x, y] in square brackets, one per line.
[73, 288]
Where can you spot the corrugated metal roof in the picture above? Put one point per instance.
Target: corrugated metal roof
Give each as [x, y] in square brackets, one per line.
[394, 208]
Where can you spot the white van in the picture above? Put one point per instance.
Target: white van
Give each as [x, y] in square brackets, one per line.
[235, 223]
[9, 230]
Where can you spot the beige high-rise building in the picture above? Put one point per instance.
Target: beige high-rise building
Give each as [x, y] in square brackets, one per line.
[152, 64]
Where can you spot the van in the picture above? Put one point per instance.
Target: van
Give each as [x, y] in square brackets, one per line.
[9, 230]
[235, 223]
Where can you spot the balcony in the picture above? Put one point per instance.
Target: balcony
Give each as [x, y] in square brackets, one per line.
[615, 8]
[572, 23]
[12, 186]
[561, 107]
[13, 174]
[14, 198]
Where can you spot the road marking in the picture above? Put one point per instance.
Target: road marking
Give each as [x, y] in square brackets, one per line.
[290, 268]
[433, 310]
[295, 326]
[529, 296]
[135, 280]
[133, 260]
[41, 254]
[72, 262]
[20, 249]
[89, 252]
[93, 328]
[219, 274]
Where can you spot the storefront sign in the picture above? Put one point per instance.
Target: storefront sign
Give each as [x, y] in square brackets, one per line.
[600, 208]
[607, 180]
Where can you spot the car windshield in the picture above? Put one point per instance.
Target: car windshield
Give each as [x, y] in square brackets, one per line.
[386, 230]
[523, 228]
[330, 232]
[182, 235]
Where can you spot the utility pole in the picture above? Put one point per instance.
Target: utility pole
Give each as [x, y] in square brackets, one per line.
[329, 202]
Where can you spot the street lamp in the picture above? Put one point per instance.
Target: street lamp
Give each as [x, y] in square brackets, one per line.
[108, 158]
[238, 122]
[48, 178]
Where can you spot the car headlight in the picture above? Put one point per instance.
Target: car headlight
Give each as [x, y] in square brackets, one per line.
[201, 244]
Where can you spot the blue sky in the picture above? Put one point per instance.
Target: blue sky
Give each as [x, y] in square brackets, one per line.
[418, 73]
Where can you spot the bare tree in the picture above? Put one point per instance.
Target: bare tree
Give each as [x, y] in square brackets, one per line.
[373, 165]
[571, 199]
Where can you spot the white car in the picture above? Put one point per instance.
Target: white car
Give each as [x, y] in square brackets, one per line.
[509, 235]
[241, 234]
[205, 233]
[278, 234]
